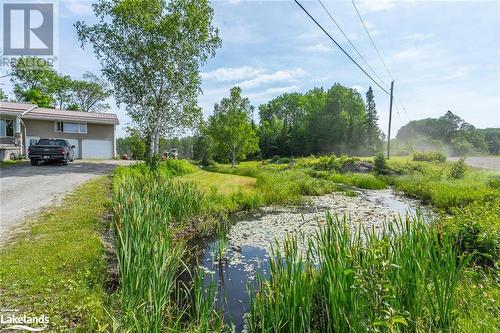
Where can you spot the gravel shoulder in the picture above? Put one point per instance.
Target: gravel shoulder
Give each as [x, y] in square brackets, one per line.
[482, 162]
[25, 189]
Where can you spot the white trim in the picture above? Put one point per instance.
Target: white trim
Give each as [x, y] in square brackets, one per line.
[31, 108]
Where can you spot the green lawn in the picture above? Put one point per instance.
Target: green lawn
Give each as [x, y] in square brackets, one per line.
[9, 163]
[57, 267]
[224, 183]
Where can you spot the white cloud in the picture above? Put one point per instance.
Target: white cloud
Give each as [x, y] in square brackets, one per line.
[318, 48]
[309, 35]
[227, 74]
[376, 5]
[81, 8]
[457, 73]
[358, 88]
[420, 36]
[413, 53]
[280, 90]
[262, 79]
[376, 32]
[371, 28]
[353, 35]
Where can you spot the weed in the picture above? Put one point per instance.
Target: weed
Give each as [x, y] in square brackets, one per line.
[430, 156]
[458, 169]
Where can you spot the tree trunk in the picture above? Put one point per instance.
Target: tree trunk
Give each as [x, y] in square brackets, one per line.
[154, 141]
[233, 158]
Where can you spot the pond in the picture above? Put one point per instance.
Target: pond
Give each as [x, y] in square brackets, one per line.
[251, 237]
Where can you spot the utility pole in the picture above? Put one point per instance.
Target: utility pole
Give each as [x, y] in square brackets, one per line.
[390, 119]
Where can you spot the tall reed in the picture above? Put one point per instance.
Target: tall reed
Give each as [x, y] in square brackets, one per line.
[147, 206]
[400, 279]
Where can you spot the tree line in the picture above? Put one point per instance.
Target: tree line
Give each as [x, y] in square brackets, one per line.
[319, 121]
[448, 133]
[37, 82]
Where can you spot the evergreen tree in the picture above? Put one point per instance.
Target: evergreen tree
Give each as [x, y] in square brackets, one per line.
[372, 129]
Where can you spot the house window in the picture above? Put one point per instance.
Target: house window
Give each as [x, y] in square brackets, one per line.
[6, 127]
[64, 127]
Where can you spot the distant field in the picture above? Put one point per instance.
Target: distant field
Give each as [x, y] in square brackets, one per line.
[223, 183]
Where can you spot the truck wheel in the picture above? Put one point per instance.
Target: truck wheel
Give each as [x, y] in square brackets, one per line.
[34, 162]
[66, 160]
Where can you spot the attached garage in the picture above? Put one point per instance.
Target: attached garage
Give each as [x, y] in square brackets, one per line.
[97, 149]
[92, 134]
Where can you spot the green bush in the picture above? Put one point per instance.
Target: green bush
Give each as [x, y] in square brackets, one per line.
[458, 169]
[494, 182]
[476, 228]
[443, 193]
[380, 165]
[283, 160]
[430, 156]
[332, 162]
[360, 180]
[274, 159]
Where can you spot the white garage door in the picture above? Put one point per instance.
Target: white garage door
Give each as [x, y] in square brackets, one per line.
[74, 142]
[97, 149]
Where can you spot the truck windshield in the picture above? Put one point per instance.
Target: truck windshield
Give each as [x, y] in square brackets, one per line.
[51, 142]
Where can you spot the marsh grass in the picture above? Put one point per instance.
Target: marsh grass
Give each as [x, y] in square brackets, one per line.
[280, 186]
[148, 207]
[403, 279]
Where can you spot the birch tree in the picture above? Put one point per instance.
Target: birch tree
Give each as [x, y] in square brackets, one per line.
[151, 52]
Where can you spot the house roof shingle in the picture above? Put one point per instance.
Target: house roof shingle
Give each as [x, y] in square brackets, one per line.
[11, 108]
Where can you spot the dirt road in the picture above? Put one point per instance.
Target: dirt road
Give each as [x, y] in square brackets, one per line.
[483, 162]
[25, 189]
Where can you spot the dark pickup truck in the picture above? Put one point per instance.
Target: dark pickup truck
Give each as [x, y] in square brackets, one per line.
[51, 150]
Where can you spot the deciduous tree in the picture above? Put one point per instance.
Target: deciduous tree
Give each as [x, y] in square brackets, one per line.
[230, 127]
[90, 94]
[151, 52]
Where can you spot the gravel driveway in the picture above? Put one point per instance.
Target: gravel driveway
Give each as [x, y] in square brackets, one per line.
[25, 189]
[483, 162]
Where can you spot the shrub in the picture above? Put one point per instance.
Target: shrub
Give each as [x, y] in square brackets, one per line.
[380, 165]
[458, 169]
[360, 180]
[332, 162]
[283, 160]
[476, 228]
[429, 156]
[274, 159]
[442, 193]
[494, 182]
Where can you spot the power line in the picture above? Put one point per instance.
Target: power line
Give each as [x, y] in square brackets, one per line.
[340, 47]
[349, 40]
[371, 39]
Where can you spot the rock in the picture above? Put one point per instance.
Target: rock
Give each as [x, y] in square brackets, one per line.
[357, 167]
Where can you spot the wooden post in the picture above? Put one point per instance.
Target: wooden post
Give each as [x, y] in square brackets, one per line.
[390, 119]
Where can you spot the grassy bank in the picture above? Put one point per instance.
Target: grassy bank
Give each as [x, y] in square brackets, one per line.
[222, 183]
[417, 280]
[57, 267]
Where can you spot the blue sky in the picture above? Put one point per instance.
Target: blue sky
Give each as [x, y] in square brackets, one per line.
[443, 55]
